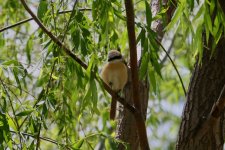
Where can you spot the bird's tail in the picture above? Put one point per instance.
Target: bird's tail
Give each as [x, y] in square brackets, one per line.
[113, 109]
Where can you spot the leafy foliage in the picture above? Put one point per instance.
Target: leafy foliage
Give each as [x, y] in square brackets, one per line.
[44, 93]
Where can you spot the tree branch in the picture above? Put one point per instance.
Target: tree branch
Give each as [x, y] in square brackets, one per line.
[78, 60]
[42, 138]
[16, 24]
[168, 52]
[134, 75]
[29, 19]
[174, 66]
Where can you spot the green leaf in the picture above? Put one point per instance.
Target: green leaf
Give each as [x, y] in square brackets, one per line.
[7, 138]
[90, 66]
[87, 97]
[10, 62]
[2, 41]
[175, 19]
[25, 113]
[148, 14]
[4, 126]
[11, 123]
[207, 36]
[42, 9]
[28, 48]
[15, 73]
[95, 10]
[212, 7]
[78, 144]
[141, 36]
[144, 66]
[208, 21]
[199, 13]
[94, 96]
[198, 42]
[119, 14]
[191, 3]
[76, 36]
[218, 35]
[40, 103]
[152, 78]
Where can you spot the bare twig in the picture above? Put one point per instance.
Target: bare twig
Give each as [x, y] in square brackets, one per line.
[42, 138]
[168, 52]
[140, 122]
[17, 87]
[78, 60]
[181, 81]
[29, 19]
[16, 24]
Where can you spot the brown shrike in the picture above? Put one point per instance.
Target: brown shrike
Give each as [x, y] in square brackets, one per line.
[114, 74]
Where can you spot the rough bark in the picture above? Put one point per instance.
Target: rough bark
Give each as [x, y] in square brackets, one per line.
[156, 6]
[197, 130]
[206, 84]
[126, 128]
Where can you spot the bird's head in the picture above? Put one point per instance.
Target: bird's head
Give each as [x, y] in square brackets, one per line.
[114, 55]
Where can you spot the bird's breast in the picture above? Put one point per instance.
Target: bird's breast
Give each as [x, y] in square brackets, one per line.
[117, 75]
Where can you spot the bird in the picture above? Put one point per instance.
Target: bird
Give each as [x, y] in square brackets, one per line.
[115, 75]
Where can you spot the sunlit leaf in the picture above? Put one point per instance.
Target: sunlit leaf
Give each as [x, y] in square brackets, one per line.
[144, 66]
[94, 96]
[175, 19]
[42, 9]
[78, 144]
[148, 13]
[24, 113]
[11, 123]
[152, 78]
[16, 76]
[29, 48]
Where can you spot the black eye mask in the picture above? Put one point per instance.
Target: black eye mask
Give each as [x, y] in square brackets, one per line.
[114, 58]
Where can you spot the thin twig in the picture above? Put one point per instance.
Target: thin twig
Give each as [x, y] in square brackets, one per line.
[42, 138]
[21, 89]
[38, 136]
[88, 143]
[181, 81]
[140, 122]
[168, 52]
[29, 19]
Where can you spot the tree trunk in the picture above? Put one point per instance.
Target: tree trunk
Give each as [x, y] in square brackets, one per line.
[206, 84]
[126, 126]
